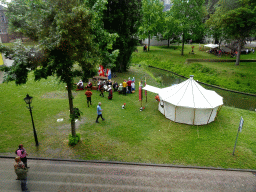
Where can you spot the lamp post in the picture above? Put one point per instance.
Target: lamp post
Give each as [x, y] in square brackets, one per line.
[28, 101]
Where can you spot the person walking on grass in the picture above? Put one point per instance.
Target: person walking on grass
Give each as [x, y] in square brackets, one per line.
[99, 112]
[88, 94]
[21, 172]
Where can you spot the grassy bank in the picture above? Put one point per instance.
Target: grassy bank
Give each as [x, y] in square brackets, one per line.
[223, 74]
[127, 134]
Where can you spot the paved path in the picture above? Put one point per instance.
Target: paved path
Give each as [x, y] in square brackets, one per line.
[51, 176]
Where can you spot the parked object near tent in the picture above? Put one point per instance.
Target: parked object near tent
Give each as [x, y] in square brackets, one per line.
[188, 102]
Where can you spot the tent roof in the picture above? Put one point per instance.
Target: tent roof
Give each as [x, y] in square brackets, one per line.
[189, 94]
[211, 45]
[152, 89]
[226, 49]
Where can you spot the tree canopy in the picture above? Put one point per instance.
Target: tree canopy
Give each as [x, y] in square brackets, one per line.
[171, 27]
[123, 18]
[237, 19]
[190, 15]
[152, 20]
[65, 33]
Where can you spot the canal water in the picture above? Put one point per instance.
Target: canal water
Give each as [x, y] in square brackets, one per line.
[229, 98]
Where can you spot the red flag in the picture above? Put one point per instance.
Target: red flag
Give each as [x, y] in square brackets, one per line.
[140, 91]
[145, 86]
[101, 71]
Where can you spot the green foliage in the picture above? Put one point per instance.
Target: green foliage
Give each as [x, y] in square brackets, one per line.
[17, 14]
[126, 135]
[123, 18]
[104, 39]
[236, 19]
[64, 30]
[222, 74]
[171, 27]
[190, 15]
[72, 141]
[152, 20]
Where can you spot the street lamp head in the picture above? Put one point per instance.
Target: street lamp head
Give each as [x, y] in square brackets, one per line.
[28, 99]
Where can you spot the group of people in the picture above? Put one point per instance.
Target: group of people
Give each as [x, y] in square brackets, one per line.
[80, 85]
[123, 88]
[21, 167]
[105, 86]
[127, 86]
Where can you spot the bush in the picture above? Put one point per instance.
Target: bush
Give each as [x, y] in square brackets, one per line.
[74, 140]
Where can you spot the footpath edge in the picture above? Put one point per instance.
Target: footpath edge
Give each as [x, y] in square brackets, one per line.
[134, 163]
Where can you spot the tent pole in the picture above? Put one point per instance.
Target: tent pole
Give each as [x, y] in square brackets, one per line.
[194, 116]
[175, 113]
[210, 117]
[217, 112]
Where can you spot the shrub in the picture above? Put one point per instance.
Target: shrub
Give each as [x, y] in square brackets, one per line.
[74, 140]
[237, 81]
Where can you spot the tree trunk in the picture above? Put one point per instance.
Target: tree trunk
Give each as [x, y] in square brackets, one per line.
[238, 52]
[72, 117]
[148, 41]
[182, 49]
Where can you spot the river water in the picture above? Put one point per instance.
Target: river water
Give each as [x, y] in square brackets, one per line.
[229, 98]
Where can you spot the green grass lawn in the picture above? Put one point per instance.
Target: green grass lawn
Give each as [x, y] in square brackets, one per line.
[223, 74]
[127, 135]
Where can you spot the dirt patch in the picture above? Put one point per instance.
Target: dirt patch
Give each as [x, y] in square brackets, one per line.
[57, 95]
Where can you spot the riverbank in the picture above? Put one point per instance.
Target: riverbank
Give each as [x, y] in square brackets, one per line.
[224, 74]
[127, 135]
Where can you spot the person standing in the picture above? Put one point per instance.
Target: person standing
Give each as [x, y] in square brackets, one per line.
[124, 87]
[99, 112]
[129, 84]
[88, 94]
[21, 172]
[120, 89]
[102, 90]
[21, 152]
[110, 95]
[115, 86]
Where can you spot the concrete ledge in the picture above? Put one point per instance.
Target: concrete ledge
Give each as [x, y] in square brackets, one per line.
[133, 163]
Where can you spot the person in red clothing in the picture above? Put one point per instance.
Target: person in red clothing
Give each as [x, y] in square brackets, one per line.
[157, 98]
[89, 85]
[88, 94]
[129, 84]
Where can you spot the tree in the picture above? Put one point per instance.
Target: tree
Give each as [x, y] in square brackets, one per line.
[123, 17]
[152, 20]
[64, 29]
[171, 27]
[237, 19]
[190, 14]
[17, 13]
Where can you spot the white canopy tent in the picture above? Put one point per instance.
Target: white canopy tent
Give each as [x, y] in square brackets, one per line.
[212, 46]
[188, 102]
[226, 49]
